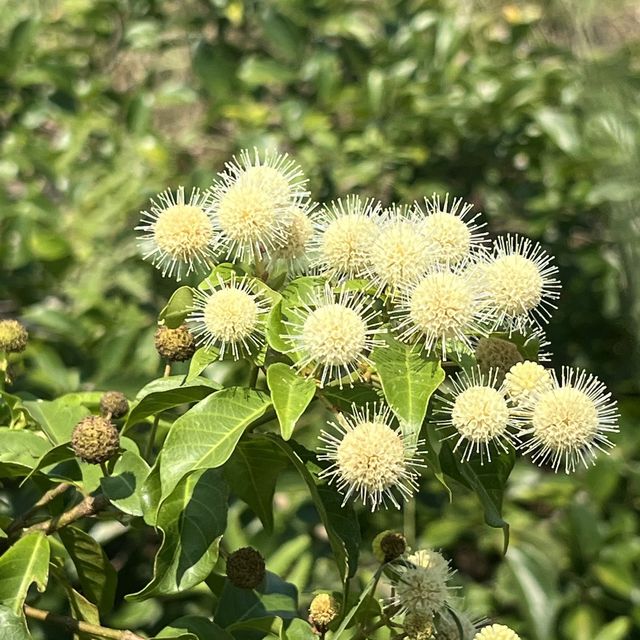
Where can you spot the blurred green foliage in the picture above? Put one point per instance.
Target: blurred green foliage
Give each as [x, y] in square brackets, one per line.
[529, 110]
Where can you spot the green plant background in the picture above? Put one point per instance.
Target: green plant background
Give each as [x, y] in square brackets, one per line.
[529, 110]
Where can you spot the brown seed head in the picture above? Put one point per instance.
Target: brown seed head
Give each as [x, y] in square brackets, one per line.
[175, 345]
[13, 336]
[95, 440]
[114, 403]
[245, 568]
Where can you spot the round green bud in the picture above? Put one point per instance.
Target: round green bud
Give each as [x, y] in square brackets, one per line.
[322, 611]
[388, 546]
[13, 336]
[175, 345]
[114, 403]
[497, 354]
[245, 568]
[95, 440]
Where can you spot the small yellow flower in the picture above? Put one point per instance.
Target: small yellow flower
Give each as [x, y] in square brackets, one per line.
[334, 334]
[478, 410]
[420, 583]
[229, 316]
[569, 423]
[443, 309]
[401, 254]
[369, 458]
[526, 380]
[451, 238]
[177, 235]
[323, 610]
[496, 632]
[348, 229]
[520, 282]
[253, 203]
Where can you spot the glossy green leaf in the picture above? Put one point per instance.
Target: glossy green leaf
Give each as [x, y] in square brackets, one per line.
[199, 626]
[26, 562]
[124, 484]
[487, 480]
[202, 358]
[20, 451]
[192, 520]
[252, 472]
[178, 308]
[13, 625]
[290, 394]
[408, 380]
[205, 437]
[96, 574]
[57, 418]
[339, 520]
[166, 393]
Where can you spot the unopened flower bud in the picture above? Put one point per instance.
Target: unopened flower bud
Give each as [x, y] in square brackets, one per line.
[175, 345]
[114, 403]
[498, 355]
[13, 336]
[245, 568]
[95, 440]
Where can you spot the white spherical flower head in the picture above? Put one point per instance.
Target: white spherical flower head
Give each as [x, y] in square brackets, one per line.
[496, 632]
[370, 458]
[420, 583]
[520, 282]
[334, 335]
[230, 317]
[569, 423]
[295, 252]
[526, 380]
[253, 202]
[178, 236]
[443, 309]
[401, 254]
[479, 413]
[452, 235]
[347, 230]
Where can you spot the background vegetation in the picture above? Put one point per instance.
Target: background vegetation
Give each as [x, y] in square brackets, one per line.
[528, 109]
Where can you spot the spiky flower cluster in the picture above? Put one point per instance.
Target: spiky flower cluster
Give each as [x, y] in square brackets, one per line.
[330, 287]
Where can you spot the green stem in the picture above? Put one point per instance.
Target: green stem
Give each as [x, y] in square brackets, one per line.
[105, 471]
[154, 427]
[253, 376]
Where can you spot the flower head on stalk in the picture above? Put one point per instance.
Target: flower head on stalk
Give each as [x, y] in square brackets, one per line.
[334, 334]
[370, 458]
[443, 309]
[347, 231]
[569, 423]
[477, 410]
[450, 236]
[296, 251]
[178, 235]
[253, 203]
[521, 284]
[526, 380]
[229, 316]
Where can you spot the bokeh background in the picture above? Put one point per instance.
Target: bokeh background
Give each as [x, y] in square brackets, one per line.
[528, 109]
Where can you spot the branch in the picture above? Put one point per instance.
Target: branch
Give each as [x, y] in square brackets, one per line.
[88, 507]
[76, 626]
[20, 521]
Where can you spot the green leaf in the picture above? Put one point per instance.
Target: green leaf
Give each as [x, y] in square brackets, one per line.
[252, 472]
[61, 453]
[359, 605]
[202, 358]
[358, 394]
[192, 519]
[96, 574]
[290, 394]
[178, 308]
[57, 418]
[199, 626]
[297, 629]
[487, 480]
[205, 436]
[123, 486]
[241, 608]
[340, 522]
[408, 380]
[20, 451]
[23, 564]
[275, 329]
[166, 393]
[534, 578]
[13, 625]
